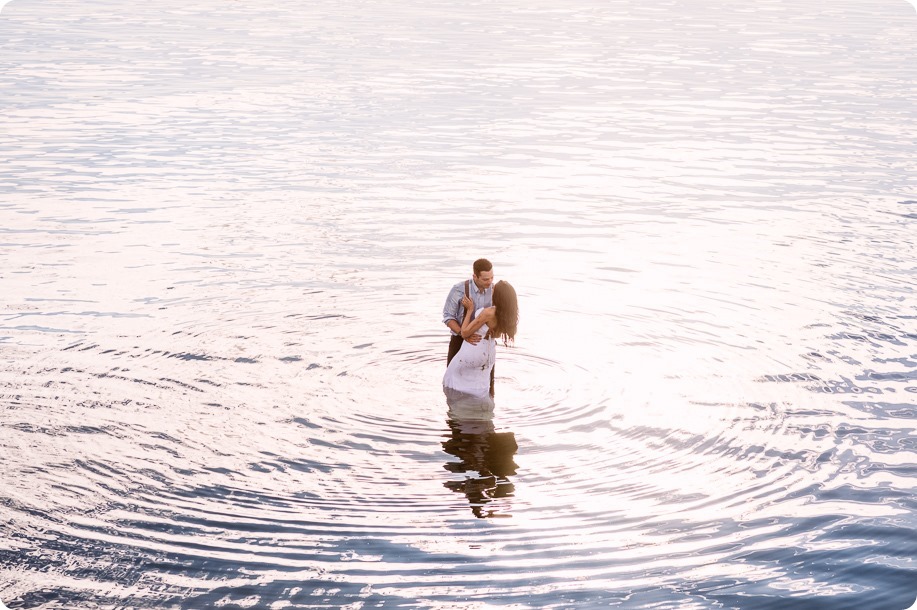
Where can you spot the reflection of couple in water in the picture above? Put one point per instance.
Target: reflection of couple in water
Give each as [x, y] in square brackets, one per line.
[477, 313]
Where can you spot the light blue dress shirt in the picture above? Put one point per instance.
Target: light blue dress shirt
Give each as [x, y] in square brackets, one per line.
[453, 309]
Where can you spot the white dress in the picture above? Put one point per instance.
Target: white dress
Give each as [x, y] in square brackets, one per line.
[469, 371]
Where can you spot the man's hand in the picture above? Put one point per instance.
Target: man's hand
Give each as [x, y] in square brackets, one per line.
[474, 339]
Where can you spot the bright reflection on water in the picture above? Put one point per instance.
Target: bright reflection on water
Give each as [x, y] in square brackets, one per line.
[228, 229]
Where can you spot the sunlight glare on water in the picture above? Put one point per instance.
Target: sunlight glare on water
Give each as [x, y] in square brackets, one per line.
[228, 230]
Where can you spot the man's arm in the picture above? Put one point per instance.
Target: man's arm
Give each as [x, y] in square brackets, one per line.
[451, 310]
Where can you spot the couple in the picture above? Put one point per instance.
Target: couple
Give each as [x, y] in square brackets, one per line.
[477, 314]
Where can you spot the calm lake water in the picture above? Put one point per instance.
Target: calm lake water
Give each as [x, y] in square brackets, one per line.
[227, 230]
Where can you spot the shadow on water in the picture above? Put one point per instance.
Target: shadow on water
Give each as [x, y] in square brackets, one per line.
[485, 455]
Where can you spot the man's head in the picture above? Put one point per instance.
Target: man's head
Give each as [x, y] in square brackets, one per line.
[483, 273]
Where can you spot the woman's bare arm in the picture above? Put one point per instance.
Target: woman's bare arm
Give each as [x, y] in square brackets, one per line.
[468, 304]
[470, 327]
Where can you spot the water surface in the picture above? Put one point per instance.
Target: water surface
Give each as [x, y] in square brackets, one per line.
[228, 230]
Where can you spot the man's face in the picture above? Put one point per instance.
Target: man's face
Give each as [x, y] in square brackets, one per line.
[484, 280]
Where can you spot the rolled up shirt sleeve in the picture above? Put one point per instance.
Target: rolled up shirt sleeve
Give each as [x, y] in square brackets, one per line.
[453, 303]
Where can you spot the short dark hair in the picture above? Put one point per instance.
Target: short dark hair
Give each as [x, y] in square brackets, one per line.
[482, 264]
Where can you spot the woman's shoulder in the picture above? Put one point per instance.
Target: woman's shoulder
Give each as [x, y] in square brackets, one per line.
[487, 312]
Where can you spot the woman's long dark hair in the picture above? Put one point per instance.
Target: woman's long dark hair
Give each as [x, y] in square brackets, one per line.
[507, 312]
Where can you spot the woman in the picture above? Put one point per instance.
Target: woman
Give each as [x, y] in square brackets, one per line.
[469, 371]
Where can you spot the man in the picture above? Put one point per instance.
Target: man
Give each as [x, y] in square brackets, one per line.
[481, 292]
